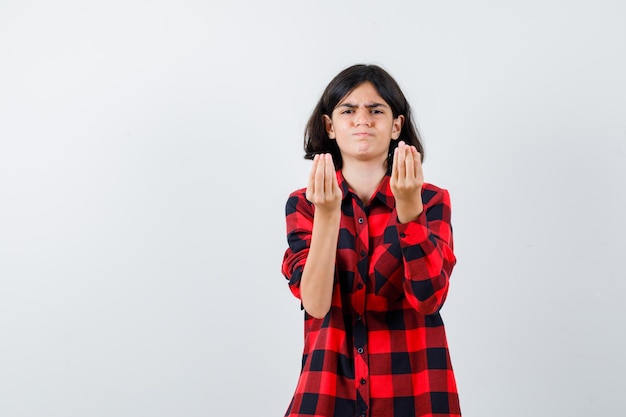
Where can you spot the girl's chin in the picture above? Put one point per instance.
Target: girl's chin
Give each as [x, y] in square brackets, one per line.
[364, 156]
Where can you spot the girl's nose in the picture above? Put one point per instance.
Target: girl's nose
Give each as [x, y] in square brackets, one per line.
[362, 117]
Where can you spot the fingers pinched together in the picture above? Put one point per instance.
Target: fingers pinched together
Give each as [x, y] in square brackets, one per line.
[406, 181]
[323, 190]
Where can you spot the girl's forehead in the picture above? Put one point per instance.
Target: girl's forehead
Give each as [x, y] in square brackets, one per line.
[364, 92]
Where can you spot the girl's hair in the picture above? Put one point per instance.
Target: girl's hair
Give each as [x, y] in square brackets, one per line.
[316, 139]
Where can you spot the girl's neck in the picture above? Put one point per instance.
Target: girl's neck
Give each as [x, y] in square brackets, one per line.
[363, 178]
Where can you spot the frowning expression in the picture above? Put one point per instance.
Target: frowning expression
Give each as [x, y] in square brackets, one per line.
[363, 125]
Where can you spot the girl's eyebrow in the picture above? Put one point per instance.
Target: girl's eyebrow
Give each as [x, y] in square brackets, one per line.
[369, 106]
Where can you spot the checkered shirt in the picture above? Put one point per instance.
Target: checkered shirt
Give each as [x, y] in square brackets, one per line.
[381, 351]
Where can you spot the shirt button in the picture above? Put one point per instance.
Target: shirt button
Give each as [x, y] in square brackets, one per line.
[363, 381]
[363, 253]
[358, 317]
[402, 234]
[359, 286]
[360, 350]
[360, 220]
[363, 414]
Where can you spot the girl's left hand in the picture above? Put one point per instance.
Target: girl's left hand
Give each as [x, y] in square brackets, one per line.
[406, 182]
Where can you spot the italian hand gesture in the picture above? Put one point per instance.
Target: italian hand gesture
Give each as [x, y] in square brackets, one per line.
[323, 190]
[406, 182]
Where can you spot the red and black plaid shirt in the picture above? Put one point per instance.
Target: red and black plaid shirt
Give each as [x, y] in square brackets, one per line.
[381, 350]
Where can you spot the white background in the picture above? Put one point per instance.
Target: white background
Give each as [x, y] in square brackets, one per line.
[147, 150]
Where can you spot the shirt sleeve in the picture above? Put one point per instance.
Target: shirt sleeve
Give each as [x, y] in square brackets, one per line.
[299, 218]
[427, 250]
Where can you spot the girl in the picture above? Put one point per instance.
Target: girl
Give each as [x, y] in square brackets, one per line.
[370, 256]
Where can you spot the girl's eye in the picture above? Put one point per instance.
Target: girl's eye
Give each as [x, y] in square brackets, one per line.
[347, 111]
[375, 111]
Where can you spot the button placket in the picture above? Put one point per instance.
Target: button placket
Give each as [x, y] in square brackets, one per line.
[360, 330]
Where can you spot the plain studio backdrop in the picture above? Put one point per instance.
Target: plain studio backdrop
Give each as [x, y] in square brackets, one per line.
[147, 150]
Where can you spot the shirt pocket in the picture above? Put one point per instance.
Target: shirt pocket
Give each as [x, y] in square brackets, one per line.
[387, 271]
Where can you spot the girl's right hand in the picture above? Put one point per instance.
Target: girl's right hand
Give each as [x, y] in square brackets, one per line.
[323, 190]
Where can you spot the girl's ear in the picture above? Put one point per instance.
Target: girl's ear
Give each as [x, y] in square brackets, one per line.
[398, 122]
[328, 124]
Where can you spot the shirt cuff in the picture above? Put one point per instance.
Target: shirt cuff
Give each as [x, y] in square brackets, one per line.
[413, 232]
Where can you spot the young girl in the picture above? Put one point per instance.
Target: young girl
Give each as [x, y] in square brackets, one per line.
[370, 256]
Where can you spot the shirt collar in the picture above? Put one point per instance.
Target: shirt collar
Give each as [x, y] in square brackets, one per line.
[383, 192]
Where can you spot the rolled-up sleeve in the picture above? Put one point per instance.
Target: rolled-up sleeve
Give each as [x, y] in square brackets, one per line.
[299, 218]
[427, 250]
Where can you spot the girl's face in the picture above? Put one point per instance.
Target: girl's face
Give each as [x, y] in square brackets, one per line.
[363, 126]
